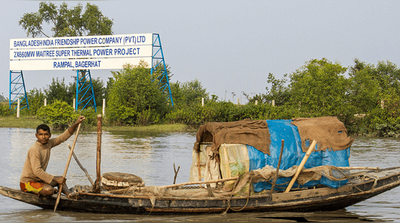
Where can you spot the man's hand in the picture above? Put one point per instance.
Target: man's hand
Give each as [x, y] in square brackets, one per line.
[60, 180]
[78, 121]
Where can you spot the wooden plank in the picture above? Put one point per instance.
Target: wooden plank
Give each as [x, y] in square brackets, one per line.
[97, 187]
[300, 168]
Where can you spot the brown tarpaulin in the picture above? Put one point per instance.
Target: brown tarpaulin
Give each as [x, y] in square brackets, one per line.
[251, 132]
[328, 131]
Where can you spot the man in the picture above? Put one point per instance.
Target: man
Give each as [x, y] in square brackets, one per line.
[34, 177]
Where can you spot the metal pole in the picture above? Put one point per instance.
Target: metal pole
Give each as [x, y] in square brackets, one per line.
[9, 95]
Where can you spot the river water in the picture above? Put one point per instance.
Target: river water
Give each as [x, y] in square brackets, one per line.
[152, 157]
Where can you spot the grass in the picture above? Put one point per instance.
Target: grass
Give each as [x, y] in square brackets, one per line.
[33, 122]
[151, 128]
[22, 122]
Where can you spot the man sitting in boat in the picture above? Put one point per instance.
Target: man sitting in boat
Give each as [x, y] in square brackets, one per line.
[34, 177]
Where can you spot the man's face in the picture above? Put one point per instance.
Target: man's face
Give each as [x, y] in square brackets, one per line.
[43, 136]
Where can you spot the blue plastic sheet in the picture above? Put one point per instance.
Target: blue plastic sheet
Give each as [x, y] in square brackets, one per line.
[293, 155]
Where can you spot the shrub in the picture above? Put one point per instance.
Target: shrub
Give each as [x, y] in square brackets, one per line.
[90, 115]
[134, 98]
[59, 115]
[4, 110]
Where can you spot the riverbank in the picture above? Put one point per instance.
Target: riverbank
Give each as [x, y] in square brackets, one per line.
[32, 122]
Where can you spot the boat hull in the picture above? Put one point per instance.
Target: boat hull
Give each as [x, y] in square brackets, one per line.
[318, 199]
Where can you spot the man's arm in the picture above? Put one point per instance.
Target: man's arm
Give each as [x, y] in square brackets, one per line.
[71, 129]
[68, 133]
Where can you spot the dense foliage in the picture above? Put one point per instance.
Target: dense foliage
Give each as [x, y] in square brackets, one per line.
[319, 88]
[365, 97]
[36, 100]
[59, 115]
[367, 100]
[65, 21]
[4, 109]
[59, 90]
[134, 97]
[188, 94]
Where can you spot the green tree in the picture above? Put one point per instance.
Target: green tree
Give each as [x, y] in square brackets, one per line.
[36, 100]
[364, 87]
[370, 84]
[163, 77]
[388, 75]
[109, 86]
[66, 22]
[319, 88]
[188, 93]
[98, 88]
[134, 98]
[278, 92]
[58, 90]
[159, 69]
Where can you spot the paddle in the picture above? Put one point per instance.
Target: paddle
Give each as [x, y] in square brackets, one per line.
[303, 162]
[277, 168]
[66, 168]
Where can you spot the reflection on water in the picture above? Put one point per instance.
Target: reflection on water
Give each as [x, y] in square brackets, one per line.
[49, 216]
[151, 156]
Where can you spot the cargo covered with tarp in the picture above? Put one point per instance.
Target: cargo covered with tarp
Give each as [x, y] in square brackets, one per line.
[236, 153]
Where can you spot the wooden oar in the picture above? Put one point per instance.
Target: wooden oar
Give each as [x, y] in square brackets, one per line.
[277, 168]
[66, 168]
[303, 162]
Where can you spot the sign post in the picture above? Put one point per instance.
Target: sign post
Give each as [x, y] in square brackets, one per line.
[85, 53]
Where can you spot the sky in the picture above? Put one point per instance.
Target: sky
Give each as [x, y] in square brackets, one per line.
[231, 46]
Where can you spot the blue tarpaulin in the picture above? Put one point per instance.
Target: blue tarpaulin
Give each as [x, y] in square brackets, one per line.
[293, 155]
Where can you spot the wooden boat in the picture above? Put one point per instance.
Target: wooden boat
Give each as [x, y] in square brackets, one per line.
[235, 189]
[360, 188]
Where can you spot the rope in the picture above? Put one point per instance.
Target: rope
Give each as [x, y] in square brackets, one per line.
[376, 178]
[247, 200]
[348, 178]
[244, 179]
